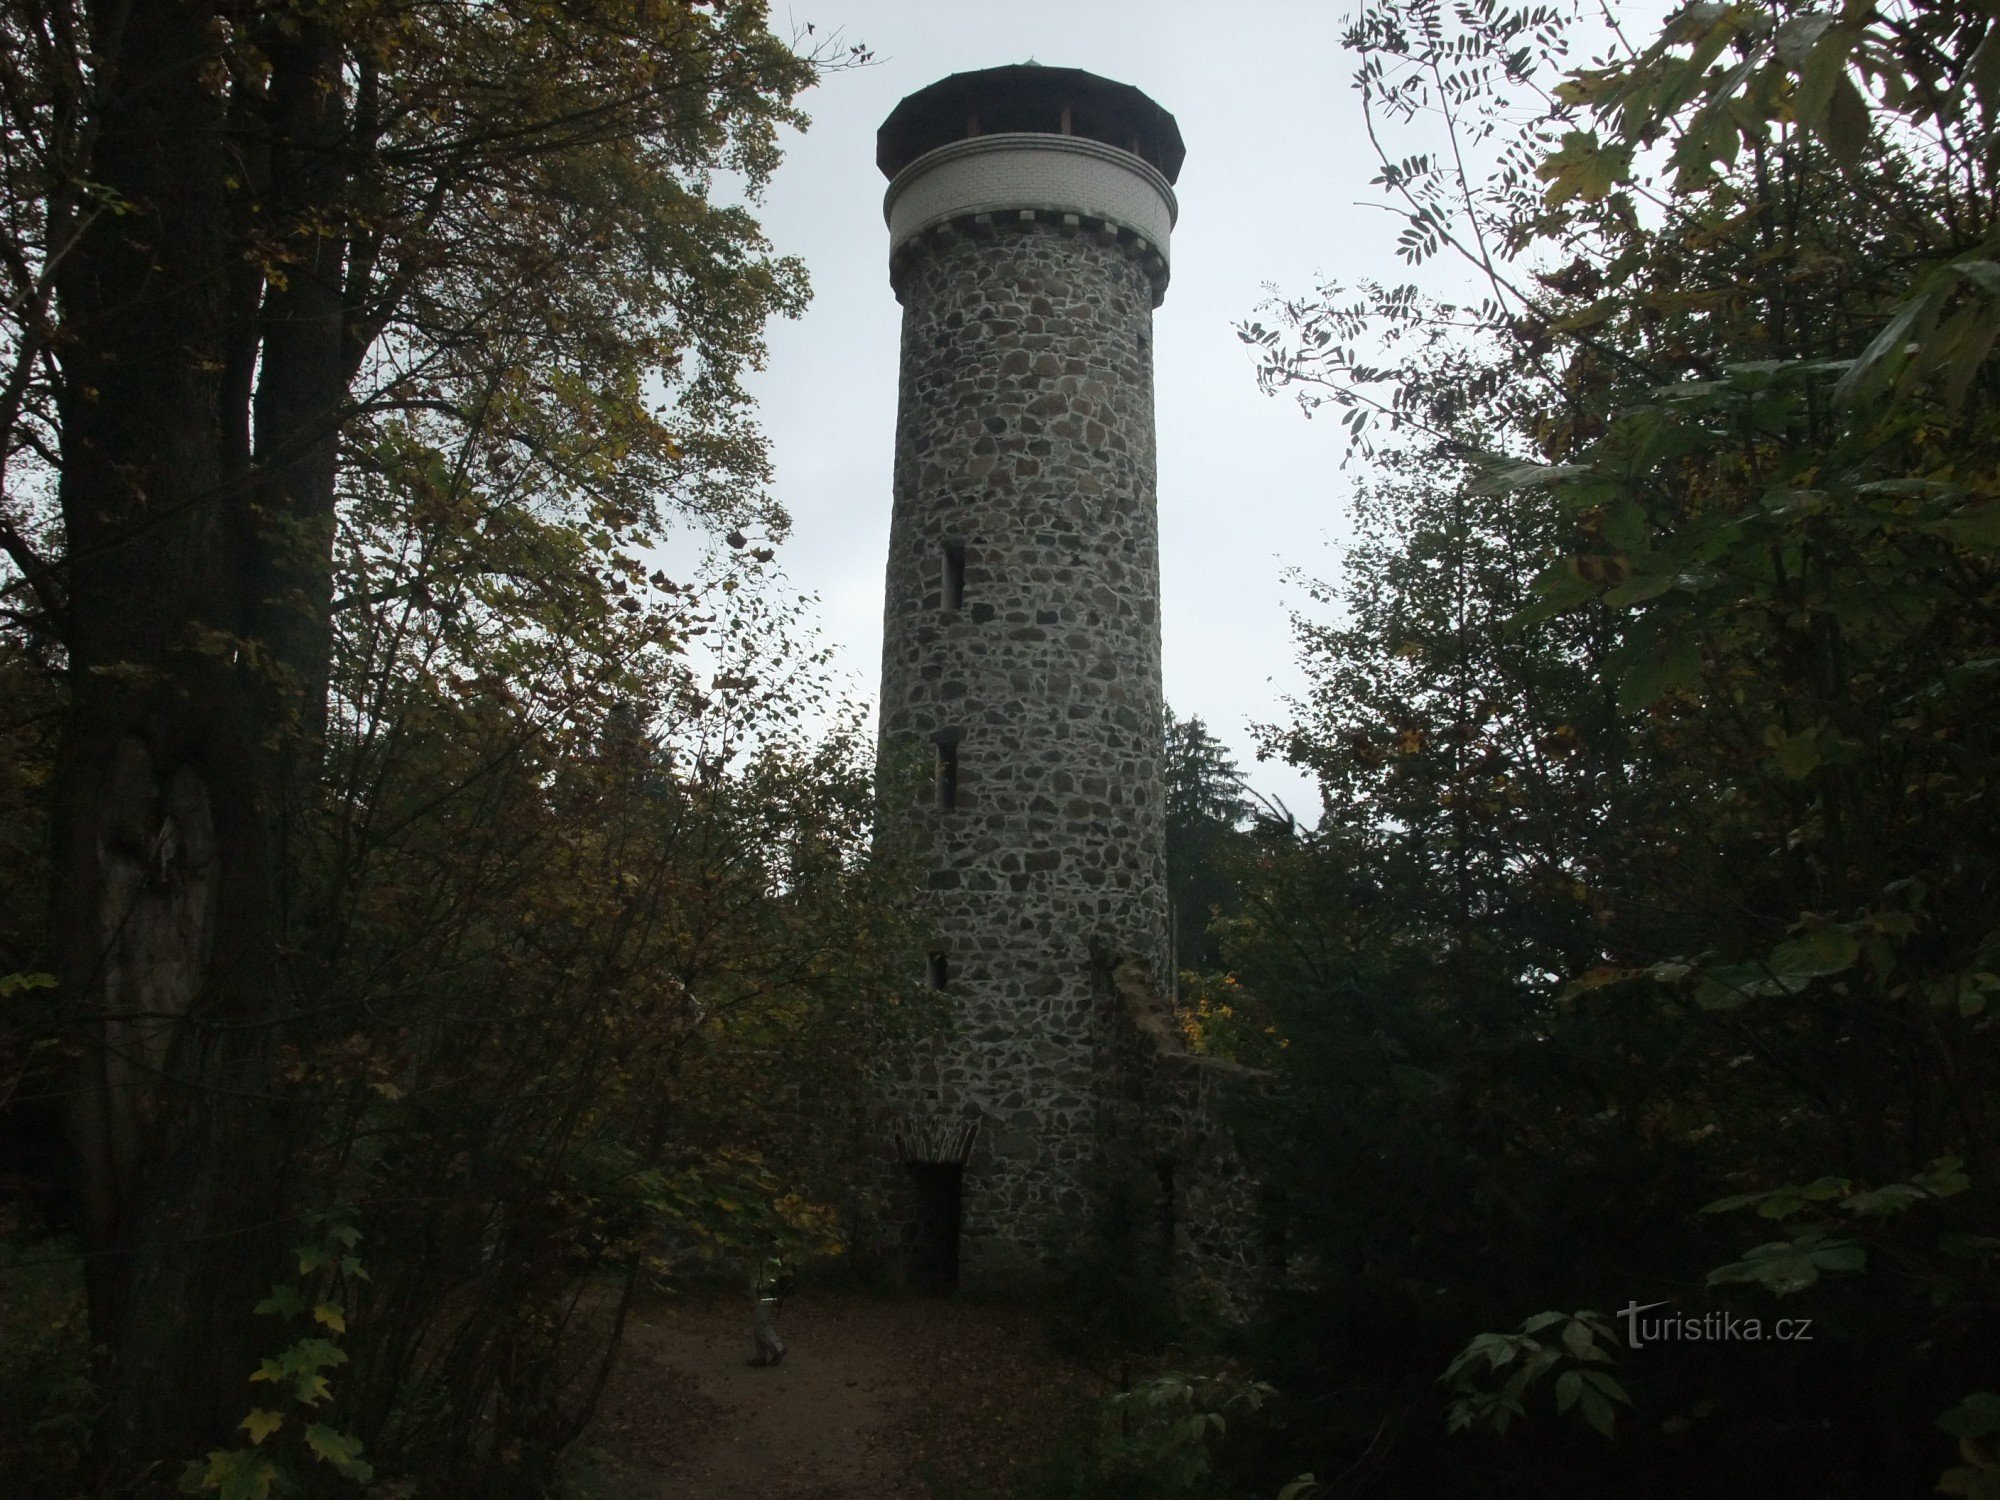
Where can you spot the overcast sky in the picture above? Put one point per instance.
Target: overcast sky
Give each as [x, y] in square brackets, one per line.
[1273, 192]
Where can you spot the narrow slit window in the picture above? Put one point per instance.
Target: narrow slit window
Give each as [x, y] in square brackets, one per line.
[947, 774]
[954, 575]
[938, 971]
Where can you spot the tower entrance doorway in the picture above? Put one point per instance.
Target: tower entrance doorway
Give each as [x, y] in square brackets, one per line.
[939, 1217]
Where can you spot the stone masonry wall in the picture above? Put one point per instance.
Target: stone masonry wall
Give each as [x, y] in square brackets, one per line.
[1025, 464]
[1168, 1145]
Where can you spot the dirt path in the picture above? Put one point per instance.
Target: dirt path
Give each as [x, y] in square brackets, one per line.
[876, 1398]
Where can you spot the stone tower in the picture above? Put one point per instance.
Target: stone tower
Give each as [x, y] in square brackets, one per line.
[1029, 210]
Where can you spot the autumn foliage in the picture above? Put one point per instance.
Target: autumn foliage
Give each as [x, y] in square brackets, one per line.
[450, 915]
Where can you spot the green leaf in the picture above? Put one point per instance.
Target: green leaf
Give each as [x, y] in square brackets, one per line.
[1824, 951]
[1584, 167]
[14, 983]
[1733, 1202]
[1881, 1202]
[1787, 1266]
[1733, 985]
[1562, 586]
[1943, 1178]
[340, 1449]
[236, 1474]
[1797, 755]
[1639, 588]
[1984, 70]
[1844, 126]
[1577, 1340]
[1713, 994]
[1977, 1416]
[1502, 475]
[284, 1302]
[1645, 671]
[1786, 1201]
[1958, 351]
[260, 1424]
[1569, 1385]
[301, 1365]
[1606, 1384]
[1818, 59]
[1495, 1348]
[1886, 351]
[1974, 526]
[1596, 1410]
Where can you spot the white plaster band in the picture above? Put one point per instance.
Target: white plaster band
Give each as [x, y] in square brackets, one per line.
[1019, 172]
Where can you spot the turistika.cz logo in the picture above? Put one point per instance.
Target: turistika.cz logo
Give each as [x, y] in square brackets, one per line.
[1707, 1328]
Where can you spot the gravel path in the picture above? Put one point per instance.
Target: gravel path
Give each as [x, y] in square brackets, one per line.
[876, 1399]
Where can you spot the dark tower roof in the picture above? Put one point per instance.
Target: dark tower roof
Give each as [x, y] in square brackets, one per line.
[1027, 96]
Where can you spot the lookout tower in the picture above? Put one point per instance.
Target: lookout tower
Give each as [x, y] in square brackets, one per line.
[1029, 213]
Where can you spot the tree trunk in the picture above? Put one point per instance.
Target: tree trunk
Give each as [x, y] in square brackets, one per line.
[199, 582]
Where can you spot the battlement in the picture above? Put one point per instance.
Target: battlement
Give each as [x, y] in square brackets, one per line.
[945, 231]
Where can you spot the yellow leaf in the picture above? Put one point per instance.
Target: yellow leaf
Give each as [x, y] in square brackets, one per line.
[1584, 168]
[260, 1424]
[330, 1315]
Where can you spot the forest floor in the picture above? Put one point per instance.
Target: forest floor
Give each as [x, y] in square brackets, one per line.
[878, 1399]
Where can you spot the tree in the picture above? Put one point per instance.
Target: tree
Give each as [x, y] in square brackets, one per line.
[447, 280]
[606, 1014]
[1206, 807]
[1729, 397]
[1487, 754]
